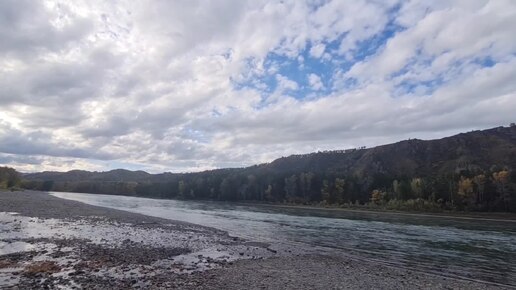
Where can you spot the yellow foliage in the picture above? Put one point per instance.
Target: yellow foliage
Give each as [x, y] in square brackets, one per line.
[377, 196]
[465, 187]
[501, 176]
[479, 179]
[416, 185]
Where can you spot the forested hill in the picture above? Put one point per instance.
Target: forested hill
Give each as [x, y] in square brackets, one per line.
[471, 170]
[466, 151]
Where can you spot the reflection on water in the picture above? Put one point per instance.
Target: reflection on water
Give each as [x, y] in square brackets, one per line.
[478, 249]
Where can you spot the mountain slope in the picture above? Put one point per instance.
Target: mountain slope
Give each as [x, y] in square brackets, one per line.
[473, 150]
[465, 151]
[470, 170]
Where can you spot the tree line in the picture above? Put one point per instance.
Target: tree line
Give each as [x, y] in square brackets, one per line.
[477, 190]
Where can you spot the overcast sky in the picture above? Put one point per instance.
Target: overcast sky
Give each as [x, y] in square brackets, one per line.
[193, 85]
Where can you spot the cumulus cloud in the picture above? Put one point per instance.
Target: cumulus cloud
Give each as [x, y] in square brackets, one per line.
[186, 86]
[315, 82]
[284, 83]
[317, 50]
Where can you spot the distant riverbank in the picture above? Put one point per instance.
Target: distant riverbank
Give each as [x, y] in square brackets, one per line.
[487, 216]
[52, 242]
[478, 215]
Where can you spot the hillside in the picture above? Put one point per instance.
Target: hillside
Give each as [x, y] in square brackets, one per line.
[431, 170]
[472, 151]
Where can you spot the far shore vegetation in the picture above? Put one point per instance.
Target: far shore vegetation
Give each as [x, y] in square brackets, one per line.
[465, 191]
[472, 172]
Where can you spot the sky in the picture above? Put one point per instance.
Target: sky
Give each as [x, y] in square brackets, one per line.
[182, 86]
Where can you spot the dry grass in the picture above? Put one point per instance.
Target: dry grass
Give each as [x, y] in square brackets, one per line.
[42, 267]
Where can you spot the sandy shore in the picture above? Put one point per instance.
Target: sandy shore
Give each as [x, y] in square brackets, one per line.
[47, 242]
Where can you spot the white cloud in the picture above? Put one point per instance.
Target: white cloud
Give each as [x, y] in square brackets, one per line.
[445, 36]
[317, 50]
[315, 82]
[285, 84]
[194, 85]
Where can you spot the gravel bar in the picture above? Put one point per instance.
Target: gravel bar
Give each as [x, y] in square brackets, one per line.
[51, 243]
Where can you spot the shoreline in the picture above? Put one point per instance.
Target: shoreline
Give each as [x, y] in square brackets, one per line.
[93, 246]
[139, 251]
[484, 216]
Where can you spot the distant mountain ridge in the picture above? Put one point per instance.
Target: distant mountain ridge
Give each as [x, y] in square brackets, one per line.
[473, 150]
[78, 175]
[476, 149]
[468, 171]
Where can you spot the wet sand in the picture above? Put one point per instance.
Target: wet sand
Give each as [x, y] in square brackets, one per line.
[47, 242]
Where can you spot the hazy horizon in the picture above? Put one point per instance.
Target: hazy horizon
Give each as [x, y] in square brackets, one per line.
[191, 86]
[248, 165]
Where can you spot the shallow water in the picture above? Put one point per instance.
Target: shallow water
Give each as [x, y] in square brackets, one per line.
[34, 240]
[473, 248]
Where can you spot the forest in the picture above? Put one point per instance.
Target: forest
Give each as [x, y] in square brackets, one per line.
[468, 172]
[474, 191]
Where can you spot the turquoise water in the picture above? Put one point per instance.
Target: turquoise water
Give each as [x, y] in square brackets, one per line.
[472, 248]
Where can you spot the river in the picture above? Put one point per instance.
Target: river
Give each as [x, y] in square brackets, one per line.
[479, 249]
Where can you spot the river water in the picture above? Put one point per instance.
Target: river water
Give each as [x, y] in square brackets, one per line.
[479, 249]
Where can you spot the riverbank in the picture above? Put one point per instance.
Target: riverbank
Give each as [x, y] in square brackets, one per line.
[52, 242]
[484, 216]
[445, 214]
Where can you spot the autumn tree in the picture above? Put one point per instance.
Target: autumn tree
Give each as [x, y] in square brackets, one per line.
[377, 196]
[465, 189]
